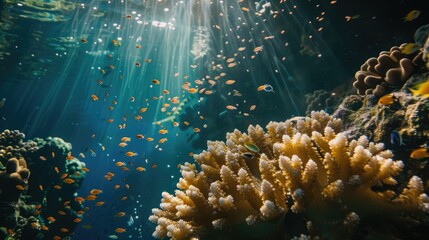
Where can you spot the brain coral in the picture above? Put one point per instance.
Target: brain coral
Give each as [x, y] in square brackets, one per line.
[304, 166]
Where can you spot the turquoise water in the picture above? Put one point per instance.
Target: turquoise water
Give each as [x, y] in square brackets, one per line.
[179, 72]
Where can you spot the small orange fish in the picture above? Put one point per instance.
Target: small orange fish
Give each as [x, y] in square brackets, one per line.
[412, 15]
[197, 130]
[155, 81]
[163, 131]
[94, 97]
[58, 187]
[95, 191]
[386, 100]
[120, 214]
[64, 230]
[51, 219]
[117, 186]
[124, 198]
[120, 230]
[122, 144]
[140, 169]
[20, 187]
[98, 204]
[35, 225]
[91, 197]
[162, 140]
[420, 153]
[116, 42]
[41, 187]
[68, 181]
[77, 220]
[229, 82]
[62, 213]
[127, 186]
[42, 158]
[119, 164]
[83, 40]
[131, 154]
[45, 228]
[154, 166]
[139, 136]
[149, 139]
[125, 139]
[148, 60]
[85, 169]
[192, 90]
[230, 107]
[79, 199]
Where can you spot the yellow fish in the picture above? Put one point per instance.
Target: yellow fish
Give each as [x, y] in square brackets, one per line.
[421, 89]
[410, 48]
[412, 15]
[386, 100]
[420, 153]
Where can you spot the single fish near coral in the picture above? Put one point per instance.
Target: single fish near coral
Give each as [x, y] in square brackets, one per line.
[386, 100]
[252, 147]
[410, 48]
[412, 15]
[420, 153]
[421, 89]
[396, 138]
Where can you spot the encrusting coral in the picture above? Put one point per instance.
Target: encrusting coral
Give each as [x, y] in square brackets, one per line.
[306, 165]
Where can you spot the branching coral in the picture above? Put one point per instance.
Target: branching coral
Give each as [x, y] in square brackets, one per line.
[304, 164]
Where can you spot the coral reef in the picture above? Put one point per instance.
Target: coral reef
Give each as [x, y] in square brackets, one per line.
[27, 201]
[327, 101]
[387, 72]
[363, 115]
[305, 169]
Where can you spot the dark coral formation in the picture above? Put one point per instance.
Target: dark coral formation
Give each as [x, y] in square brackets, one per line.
[363, 115]
[407, 117]
[28, 200]
[387, 72]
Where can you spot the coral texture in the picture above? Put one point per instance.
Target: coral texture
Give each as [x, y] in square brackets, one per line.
[409, 115]
[380, 75]
[55, 178]
[306, 165]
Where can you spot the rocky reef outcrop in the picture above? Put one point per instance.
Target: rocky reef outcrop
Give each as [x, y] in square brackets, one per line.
[39, 205]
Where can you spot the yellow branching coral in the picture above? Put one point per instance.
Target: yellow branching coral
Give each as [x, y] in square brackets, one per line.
[304, 164]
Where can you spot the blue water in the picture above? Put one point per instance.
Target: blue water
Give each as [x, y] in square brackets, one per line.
[55, 54]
